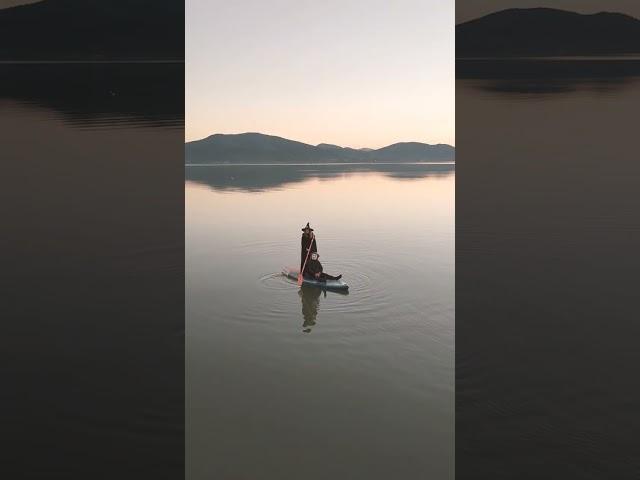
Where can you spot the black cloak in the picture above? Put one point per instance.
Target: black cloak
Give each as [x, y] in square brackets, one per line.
[306, 241]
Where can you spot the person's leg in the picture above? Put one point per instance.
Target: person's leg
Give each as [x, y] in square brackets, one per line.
[331, 277]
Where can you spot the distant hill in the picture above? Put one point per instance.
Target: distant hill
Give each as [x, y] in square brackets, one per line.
[547, 32]
[329, 146]
[259, 148]
[93, 30]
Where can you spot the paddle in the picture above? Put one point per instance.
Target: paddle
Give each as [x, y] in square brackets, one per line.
[313, 237]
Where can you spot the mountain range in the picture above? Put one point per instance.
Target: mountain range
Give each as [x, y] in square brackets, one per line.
[93, 30]
[260, 148]
[541, 32]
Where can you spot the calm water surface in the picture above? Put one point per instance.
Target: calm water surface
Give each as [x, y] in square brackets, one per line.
[92, 302]
[284, 382]
[547, 238]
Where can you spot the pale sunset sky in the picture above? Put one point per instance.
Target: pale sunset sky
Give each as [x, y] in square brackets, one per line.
[358, 73]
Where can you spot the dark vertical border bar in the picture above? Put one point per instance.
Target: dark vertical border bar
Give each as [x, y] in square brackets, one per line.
[92, 120]
[547, 231]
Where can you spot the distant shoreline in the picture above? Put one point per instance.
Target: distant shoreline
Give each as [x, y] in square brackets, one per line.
[310, 164]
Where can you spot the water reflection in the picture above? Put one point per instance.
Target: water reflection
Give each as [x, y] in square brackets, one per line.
[258, 178]
[99, 95]
[310, 299]
[549, 76]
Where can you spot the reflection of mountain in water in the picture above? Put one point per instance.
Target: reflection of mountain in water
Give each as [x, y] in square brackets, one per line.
[255, 178]
[550, 76]
[91, 95]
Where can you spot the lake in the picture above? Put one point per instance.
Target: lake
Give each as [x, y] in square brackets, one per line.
[288, 382]
[93, 284]
[547, 233]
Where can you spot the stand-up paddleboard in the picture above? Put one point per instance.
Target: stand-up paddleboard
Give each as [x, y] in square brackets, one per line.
[292, 273]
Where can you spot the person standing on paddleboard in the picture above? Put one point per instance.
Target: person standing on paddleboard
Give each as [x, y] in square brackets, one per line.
[309, 245]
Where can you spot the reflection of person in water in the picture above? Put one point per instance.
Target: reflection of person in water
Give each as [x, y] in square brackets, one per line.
[314, 270]
[310, 305]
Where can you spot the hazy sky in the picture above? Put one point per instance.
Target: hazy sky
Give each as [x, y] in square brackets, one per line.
[469, 9]
[351, 72]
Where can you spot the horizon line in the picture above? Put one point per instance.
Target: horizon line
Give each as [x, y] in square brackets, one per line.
[321, 143]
